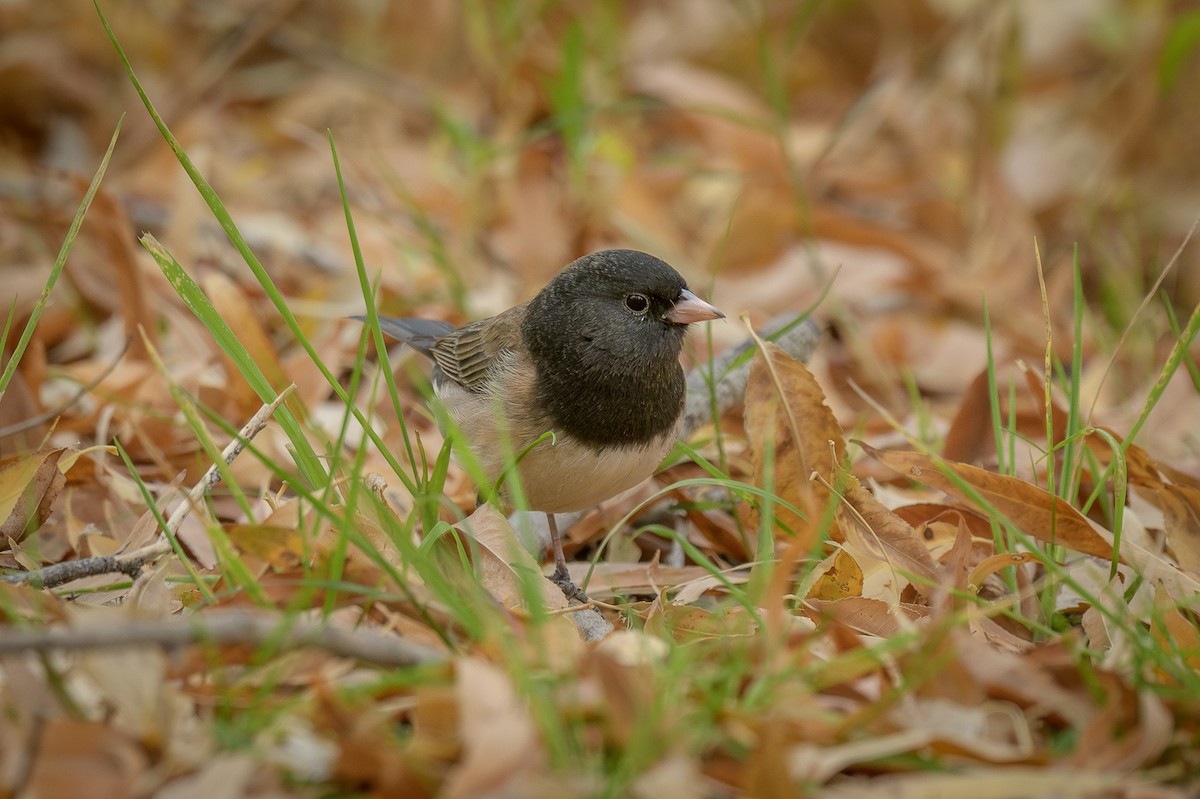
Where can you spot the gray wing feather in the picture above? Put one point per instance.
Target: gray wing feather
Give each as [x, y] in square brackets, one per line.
[465, 355]
[420, 334]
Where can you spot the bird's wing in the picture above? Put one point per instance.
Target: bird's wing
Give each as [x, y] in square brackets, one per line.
[467, 355]
[420, 334]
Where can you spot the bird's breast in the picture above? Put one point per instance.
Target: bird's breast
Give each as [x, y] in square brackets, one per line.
[566, 475]
[561, 473]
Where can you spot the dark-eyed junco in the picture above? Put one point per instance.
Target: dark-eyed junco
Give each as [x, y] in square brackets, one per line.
[593, 359]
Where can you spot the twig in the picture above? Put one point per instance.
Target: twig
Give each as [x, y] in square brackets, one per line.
[223, 628]
[133, 562]
[213, 476]
[60, 573]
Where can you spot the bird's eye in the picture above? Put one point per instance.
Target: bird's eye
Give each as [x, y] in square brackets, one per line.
[637, 303]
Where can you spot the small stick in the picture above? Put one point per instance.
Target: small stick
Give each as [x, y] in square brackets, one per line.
[133, 562]
[222, 628]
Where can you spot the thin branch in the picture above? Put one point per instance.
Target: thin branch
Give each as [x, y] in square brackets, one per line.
[71, 570]
[223, 628]
[213, 476]
[133, 562]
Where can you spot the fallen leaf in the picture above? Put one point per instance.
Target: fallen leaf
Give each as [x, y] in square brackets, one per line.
[842, 577]
[793, 435]
[226, 775]
[871, 616]
[994, 564]
[1174, 631]
[86, 760]
[1129, 732]
[674, 777]
[689, 623]
[230, 301]
[872, 528]
[1180, 506]
[609, 579]
[504, 562]
[983, 783]
[28, 485]
[970, 434]
[1032, 510]
[499, 739]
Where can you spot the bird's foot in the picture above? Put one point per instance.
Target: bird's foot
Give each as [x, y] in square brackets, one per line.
[562, 579]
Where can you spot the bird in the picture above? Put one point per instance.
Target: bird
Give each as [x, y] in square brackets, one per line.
[592, 359]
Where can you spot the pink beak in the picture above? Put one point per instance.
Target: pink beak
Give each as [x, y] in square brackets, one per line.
[690, 308]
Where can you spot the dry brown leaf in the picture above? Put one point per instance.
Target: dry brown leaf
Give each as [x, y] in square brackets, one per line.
[278, 547]
[622, 688]
[505, 562]
[1180, 506]
[872, 528]
[1177, 633]
[956, 561]
[689, 623]
[367, 755]
[870, 616]
[994, 564]
[674, 777]
[819, 763]
[229, 300]
[688, 592]
[1034, 511]
[1020, 679]
[29, 485]
[927, 514]
[132, 682]
[86, 760]
[970, 434]
[110, 223]
[499, 740]
[19, 402]
[984, 783]
[975, 731]
[226, 775]
[1129, 732]
[608, 579]
[793, 435]
[719, 529]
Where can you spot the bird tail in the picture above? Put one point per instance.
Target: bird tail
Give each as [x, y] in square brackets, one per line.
[420, 334]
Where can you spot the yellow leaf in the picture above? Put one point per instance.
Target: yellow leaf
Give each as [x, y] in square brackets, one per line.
[842, 579]
[28, 485]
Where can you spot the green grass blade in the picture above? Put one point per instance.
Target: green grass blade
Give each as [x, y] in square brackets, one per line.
[197, 302]
[60, 262]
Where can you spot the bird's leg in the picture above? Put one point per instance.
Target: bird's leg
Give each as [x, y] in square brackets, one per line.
[561, 577]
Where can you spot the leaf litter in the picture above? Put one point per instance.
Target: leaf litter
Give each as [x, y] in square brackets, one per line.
[886, 634]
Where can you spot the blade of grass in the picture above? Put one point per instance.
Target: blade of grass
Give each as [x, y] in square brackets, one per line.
[308, 462]
[369, 298]
[60, 261]
[1174, 359]
[198, 303]
[152, 506]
